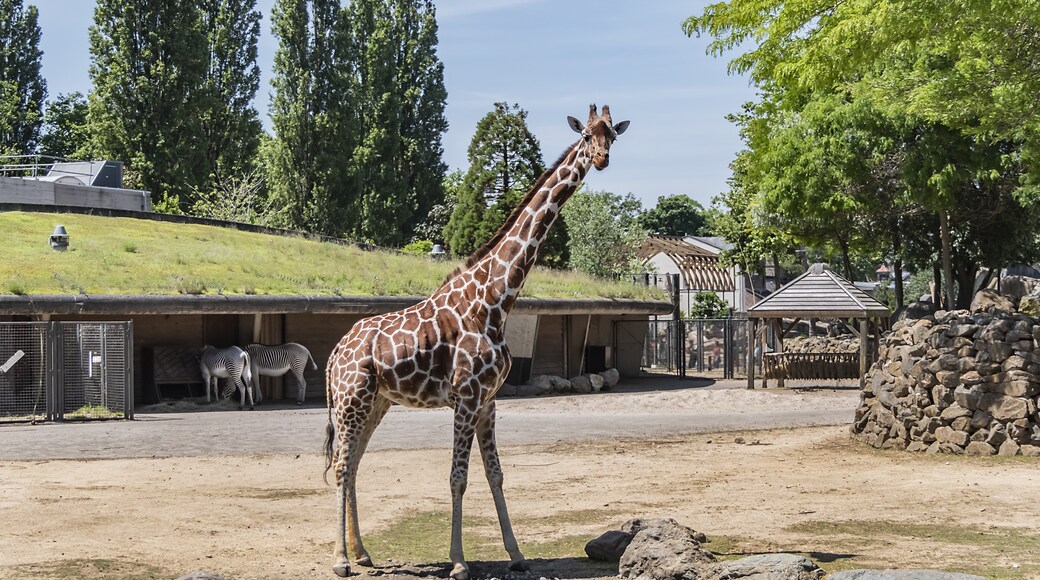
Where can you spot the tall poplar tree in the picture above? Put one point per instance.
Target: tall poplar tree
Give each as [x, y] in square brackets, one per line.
[22, 88]
[400, 110]
[309, 158]
[230, 124]
[148, 62]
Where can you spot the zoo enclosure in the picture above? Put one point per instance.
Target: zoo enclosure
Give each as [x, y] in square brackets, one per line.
[66, 370]
[713, 346]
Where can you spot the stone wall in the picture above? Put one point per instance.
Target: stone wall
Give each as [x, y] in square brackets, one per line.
[955, 382]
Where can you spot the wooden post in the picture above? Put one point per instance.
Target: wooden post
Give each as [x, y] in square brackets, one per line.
[751, 353]
[863, 338]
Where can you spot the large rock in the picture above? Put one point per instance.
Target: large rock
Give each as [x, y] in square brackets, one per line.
[1004, 408]
[664, 550]
[987, 300]
[610, 378]
[609, 546]
[770, 567]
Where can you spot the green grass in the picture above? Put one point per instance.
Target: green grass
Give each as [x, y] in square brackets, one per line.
[91, 568]
[985, 551]
[94, 412]
[130, 256]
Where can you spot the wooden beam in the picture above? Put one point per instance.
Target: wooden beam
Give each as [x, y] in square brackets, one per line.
[863, 353]
[751, 353]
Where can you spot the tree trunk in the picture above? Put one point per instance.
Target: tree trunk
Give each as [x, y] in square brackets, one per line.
[845, 261]
[947, 257]
[778, 272]
[937, 286]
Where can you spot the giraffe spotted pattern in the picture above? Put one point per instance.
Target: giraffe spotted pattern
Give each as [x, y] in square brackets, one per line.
[449, 351]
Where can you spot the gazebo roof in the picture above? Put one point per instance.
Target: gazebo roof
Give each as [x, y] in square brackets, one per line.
[819, 293]
[699, 268]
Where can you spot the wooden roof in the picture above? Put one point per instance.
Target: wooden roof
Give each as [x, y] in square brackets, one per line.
[699, 268]
[818, 293]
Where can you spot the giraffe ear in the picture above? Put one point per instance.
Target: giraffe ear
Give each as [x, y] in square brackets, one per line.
[620, 127]
[575, 124]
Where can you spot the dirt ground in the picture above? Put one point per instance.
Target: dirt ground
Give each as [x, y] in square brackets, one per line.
[807, 490]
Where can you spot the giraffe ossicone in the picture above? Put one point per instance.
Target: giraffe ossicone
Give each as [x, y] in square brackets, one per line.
[449, 351]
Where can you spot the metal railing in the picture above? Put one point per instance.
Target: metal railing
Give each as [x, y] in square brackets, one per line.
[35, 166]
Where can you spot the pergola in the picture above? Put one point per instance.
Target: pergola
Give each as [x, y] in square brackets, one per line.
[698, 268]
[818, 293]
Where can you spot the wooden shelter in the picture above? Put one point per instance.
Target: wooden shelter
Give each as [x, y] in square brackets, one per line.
[818, 293]
[698, 268]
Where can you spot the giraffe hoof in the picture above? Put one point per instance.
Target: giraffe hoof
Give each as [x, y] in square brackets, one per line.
[342, 569]
[460, 572]
[519, 566]
[365, 561]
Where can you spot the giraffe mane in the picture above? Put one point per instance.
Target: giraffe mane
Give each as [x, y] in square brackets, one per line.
[511, 220]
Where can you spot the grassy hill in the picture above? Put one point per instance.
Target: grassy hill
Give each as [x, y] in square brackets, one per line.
[130, 256]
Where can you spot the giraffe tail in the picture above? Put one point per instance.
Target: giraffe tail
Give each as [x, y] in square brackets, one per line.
[330, 436]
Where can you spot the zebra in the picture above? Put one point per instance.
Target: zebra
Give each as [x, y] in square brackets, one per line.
[275, 361]
[230, 363]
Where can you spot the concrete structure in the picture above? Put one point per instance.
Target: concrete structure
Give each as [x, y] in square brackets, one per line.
[546, 336]
[67, 189]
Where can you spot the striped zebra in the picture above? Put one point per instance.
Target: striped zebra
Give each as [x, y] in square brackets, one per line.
[275, 361]
[230, 363]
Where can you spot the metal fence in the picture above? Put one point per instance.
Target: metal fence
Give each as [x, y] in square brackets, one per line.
[66, 370]
[711, 347]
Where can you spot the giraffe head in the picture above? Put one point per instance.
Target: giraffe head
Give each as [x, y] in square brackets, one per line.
[598, 133]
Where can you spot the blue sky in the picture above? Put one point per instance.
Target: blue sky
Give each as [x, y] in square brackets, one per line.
[553, 58]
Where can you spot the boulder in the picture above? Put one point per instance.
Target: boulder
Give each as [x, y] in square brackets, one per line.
[664, 550]
[987, 300]
[770, 566]
[201, 575]
[610, 378]
[581, 384]
[596, 381]
[609, 546]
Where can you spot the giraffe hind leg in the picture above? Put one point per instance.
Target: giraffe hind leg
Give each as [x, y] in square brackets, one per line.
[493, 472]
[356, 420]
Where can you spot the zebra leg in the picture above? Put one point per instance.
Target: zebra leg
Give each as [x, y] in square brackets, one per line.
[301, 386]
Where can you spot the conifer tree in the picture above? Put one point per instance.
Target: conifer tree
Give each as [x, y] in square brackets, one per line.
[505, 160]
[22, 88]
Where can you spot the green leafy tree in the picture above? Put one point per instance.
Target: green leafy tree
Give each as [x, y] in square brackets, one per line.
[938, 80]
[505, 159]
[675, 215]
[65, 131]
[148, 61]
[432, 228]
[708, 305]
[230, 124]
[604, 233]
[22, 89]
[308, 160]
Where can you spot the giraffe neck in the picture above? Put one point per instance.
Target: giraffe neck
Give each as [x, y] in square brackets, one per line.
[502, 272]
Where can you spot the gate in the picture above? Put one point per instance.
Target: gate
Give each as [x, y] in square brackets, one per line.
[66, 370]
[711, 347]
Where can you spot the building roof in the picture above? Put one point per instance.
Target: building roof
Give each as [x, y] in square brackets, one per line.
[121, 304]
[699, 267]
[819, 292]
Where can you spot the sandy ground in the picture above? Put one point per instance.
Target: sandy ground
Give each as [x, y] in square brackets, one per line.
[806, 489]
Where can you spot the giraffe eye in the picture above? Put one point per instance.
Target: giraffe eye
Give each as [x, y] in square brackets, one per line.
[587, 138]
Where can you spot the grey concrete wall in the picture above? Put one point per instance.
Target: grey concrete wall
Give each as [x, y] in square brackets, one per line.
[32, 191]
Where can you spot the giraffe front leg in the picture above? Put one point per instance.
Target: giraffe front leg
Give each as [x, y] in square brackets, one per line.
[493, 472]
[465, 424]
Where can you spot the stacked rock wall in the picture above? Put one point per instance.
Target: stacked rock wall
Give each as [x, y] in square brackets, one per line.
[955, 382]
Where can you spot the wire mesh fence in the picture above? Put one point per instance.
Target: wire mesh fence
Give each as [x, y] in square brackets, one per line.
[710, 347]
[66, 370]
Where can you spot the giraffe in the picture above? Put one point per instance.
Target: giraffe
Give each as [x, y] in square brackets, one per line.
[449, 351]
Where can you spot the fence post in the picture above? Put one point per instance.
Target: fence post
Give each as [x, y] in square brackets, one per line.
[128, 367]
[55, 392]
